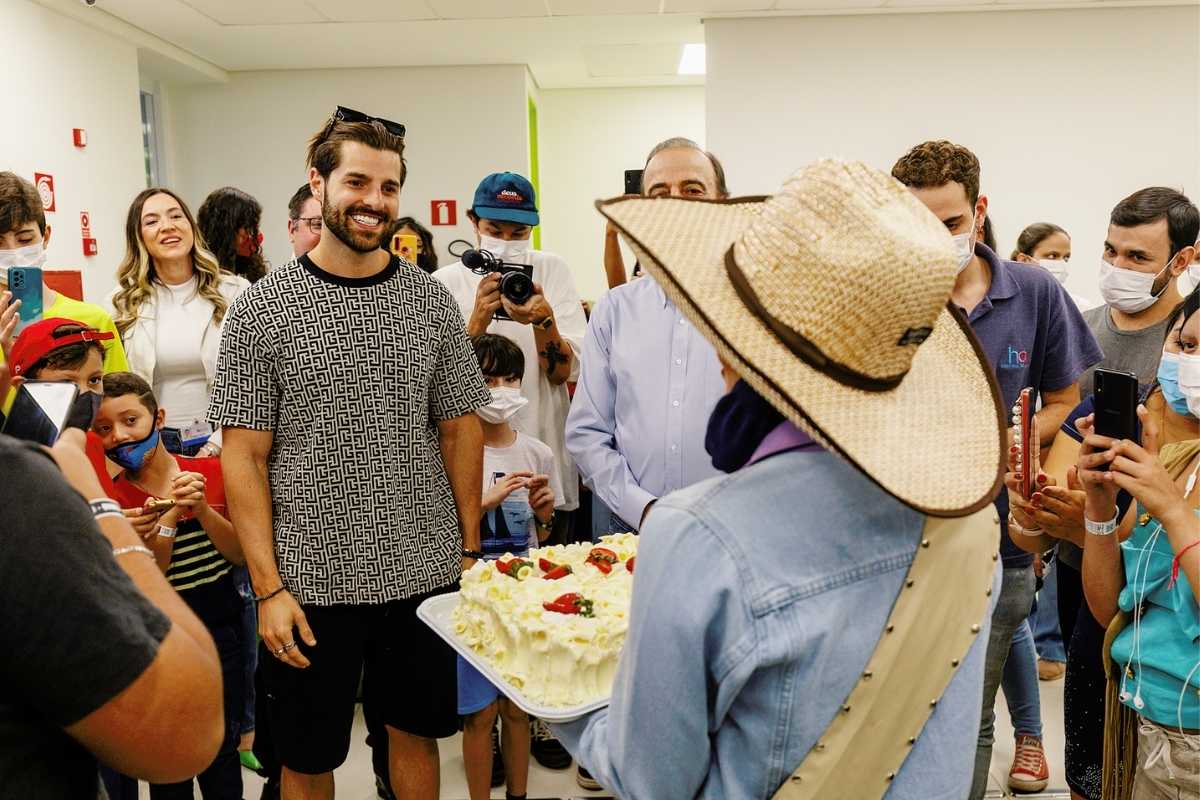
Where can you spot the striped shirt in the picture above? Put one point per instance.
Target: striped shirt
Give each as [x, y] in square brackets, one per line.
[195, 560]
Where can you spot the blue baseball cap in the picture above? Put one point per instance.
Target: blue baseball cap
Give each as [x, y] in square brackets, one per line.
[507, 197]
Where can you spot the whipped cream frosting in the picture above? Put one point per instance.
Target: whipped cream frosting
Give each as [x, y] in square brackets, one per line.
[555, 659]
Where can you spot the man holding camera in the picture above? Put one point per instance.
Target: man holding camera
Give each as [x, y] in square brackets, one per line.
[548, 325]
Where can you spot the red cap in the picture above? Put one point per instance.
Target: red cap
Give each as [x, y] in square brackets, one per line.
[38, 340]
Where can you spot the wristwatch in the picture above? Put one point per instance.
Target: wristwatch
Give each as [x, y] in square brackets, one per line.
[546, 324]
[475, 554]
[548, 524]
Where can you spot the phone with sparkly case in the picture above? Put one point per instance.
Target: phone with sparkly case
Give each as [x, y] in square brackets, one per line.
[1023, 440]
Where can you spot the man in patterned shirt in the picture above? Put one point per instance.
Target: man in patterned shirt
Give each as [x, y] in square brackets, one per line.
[346, 388]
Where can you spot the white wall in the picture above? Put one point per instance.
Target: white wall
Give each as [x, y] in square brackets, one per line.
[589, 138]
[60, 74]
[1068, 111]
[252, 133]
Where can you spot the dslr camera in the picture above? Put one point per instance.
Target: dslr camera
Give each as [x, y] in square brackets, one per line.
[516, 280]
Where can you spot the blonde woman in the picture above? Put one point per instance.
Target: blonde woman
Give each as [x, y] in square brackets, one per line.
[168, 307]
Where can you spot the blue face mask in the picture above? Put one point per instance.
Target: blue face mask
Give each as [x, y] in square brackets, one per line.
[1168, 381]
[132, 455]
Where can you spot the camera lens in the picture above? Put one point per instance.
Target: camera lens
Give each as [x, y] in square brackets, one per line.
[517, 287]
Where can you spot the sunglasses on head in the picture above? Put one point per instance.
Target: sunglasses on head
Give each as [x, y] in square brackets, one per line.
[342, 114]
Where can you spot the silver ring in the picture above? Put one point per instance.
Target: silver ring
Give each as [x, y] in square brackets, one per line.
[288, 646]
[280, 651]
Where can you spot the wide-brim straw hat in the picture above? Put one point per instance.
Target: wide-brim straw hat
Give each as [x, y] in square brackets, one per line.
[830, 300]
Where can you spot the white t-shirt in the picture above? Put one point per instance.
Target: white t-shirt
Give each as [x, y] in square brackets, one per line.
[546, 415]
[512, 527]
[180, 383]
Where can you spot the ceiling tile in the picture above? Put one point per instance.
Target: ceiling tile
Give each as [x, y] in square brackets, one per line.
[260, 12]
[936, 3]
[715, 6]
[488, 9]
[829, 5]
[628, 60]
[589, 8]
[374, 10]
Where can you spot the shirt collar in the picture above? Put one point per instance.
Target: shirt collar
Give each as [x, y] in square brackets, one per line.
[658, 290]
[1003, 284]
[783, 438]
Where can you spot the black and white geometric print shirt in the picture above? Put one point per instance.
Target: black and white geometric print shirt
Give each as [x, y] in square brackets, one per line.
[352, 376]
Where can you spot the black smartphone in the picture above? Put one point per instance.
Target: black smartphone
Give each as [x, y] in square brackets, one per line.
[633, 181]
[1116, 399]
[41, 411]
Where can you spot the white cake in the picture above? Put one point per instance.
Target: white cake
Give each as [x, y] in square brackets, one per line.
[557, 653]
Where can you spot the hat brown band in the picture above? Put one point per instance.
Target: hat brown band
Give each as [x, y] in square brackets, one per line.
[805, 350]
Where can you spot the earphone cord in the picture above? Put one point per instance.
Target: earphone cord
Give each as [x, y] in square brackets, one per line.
[1136, 654]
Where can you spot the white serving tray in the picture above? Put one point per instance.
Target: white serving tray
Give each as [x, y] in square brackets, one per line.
[437, 613]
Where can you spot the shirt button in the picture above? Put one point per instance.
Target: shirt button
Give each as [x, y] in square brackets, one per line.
[678, 361]
[681, 322]
[675, 403]
[674, 447]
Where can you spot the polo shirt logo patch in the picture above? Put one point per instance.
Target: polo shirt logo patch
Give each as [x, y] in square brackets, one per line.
[1015, 359]
[914, 336]
[509, 196]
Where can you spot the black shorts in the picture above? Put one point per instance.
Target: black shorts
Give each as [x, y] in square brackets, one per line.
[409, 677]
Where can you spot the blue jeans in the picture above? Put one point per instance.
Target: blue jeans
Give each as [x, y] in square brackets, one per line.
[1011, 610]
[1047, 633]
[249, 641]
[604, 521]
[1020, 684]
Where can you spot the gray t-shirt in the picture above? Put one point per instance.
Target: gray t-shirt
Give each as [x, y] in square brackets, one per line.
[1138, 352]
[1126, 351]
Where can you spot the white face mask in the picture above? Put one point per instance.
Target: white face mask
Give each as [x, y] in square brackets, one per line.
[965, 247]
[1127, 290]
[1189, 381]
[32, 256]
[506, 402]
[1056, 268]
[512, 251]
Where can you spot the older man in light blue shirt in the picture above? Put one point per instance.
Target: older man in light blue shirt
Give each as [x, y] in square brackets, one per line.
[648, 380]
[648, 383]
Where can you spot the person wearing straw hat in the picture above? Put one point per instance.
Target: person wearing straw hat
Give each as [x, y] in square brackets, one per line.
[814, 624]
[1033, 336]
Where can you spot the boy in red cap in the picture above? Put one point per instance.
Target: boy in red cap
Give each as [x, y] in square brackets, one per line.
[63, 350]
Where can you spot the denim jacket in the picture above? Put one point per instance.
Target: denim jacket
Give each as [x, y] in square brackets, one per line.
[757, 601]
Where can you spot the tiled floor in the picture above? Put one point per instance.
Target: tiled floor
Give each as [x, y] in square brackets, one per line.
[356, 782]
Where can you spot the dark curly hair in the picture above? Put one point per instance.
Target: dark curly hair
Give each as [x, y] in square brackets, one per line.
[225, 212]
[428, 260]
[937, 163]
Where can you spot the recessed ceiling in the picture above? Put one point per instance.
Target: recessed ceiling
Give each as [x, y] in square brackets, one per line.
[565, 43]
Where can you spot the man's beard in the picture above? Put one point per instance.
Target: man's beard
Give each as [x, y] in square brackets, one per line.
[337, 222]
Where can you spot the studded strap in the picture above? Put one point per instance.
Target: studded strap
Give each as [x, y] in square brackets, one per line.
[936, 618]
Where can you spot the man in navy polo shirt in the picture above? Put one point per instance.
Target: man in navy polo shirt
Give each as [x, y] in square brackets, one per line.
[1035, 337]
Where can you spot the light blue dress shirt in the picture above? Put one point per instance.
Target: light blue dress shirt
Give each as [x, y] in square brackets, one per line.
[757, 601]
[647, 385]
